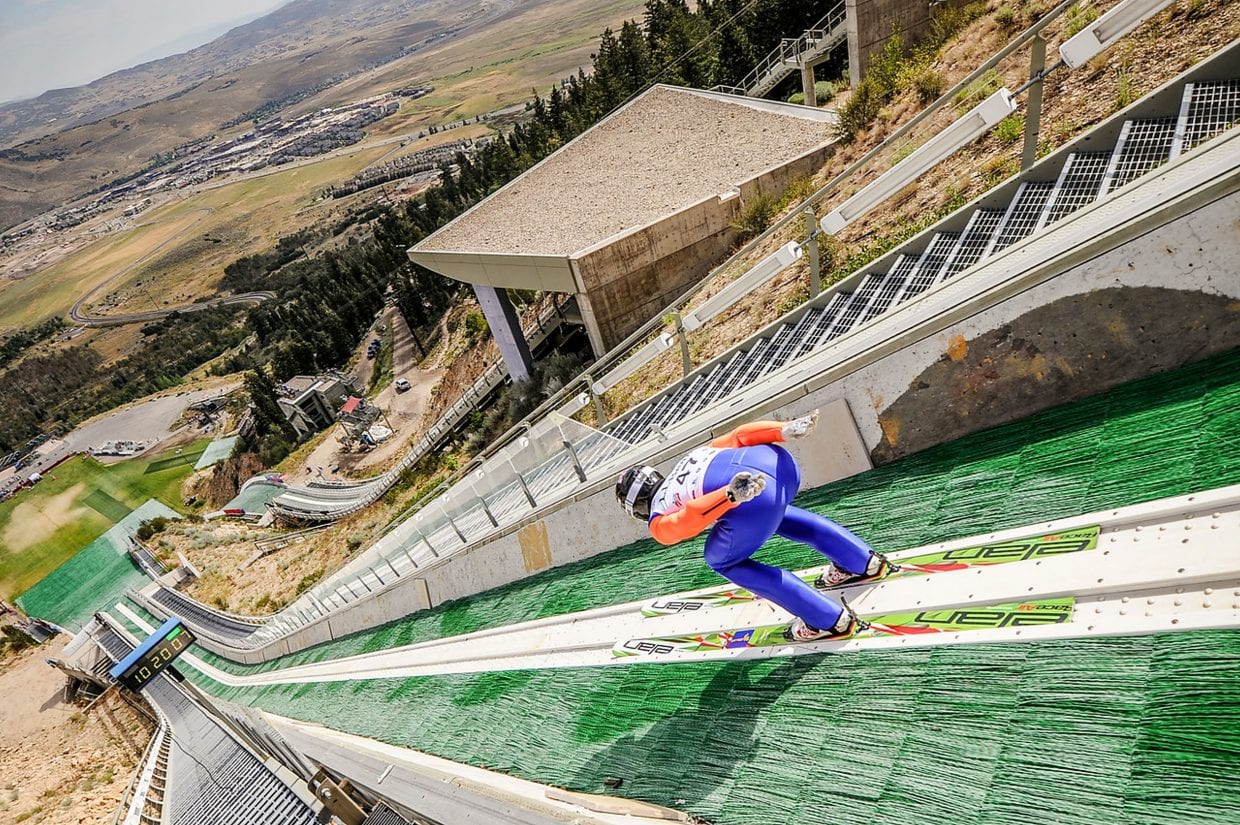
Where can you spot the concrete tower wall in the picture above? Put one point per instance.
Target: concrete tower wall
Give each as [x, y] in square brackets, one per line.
[872, 22]
[629, 279]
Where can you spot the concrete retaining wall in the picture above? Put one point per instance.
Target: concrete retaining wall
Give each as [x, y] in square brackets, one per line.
[629, 279]
[872, 22]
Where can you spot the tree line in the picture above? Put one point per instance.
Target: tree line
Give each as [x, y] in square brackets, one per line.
[53, 392]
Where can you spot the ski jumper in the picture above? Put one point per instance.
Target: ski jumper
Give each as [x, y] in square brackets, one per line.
[694, 496]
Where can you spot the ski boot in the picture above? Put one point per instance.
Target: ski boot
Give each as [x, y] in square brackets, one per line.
[845, 626]
[878, 567]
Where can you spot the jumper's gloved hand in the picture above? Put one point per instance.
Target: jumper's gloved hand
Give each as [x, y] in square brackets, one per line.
[746, 486]
[800, 427]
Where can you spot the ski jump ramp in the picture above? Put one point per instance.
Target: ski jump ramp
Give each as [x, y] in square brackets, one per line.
[1164, 566]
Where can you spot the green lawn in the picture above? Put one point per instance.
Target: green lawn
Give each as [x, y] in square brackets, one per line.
[74, 504]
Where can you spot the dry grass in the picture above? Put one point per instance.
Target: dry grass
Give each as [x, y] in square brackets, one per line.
[219, 549]
[60, 764]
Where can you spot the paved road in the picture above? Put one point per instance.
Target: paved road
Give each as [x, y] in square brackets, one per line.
[149, 421]
[77, 316]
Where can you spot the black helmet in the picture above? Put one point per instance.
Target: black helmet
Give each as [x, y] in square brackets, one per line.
[636, 487]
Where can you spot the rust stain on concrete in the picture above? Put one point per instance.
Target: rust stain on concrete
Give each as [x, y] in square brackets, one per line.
[957, 348]
[535, 547]
[891, 430]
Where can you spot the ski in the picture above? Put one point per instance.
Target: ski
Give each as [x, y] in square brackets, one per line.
[949, 620]
[940, 561]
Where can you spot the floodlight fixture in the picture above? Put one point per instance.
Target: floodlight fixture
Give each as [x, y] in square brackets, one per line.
[633, 363]
[964, 131]
[763, 271]
[1103, 32]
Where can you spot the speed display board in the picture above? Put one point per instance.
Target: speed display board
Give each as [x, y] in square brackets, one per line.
[154, 655]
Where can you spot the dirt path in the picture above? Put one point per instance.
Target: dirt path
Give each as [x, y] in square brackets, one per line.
[406, 409]
[404, 412]
[59, 765]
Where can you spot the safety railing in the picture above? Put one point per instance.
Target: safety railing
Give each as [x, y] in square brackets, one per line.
[787, 56]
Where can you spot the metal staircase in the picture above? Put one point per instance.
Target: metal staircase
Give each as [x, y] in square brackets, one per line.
[1037, 204]
[792, 53]
[205, 776]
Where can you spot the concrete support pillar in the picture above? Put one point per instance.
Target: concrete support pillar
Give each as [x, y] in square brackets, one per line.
[593, 330]
[807, 84]
[506, 328]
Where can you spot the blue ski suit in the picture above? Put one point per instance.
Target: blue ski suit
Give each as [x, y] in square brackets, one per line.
[694, 496]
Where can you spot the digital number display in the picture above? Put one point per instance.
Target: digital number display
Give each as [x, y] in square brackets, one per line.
[157, 659]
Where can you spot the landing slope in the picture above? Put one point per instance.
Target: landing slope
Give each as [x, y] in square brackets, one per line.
[1095, 730]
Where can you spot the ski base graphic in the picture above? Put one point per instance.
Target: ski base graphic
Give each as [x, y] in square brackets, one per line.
[950, 620]
[941, 561]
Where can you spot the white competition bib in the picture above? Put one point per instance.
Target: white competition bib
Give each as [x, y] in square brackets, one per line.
[684, 482]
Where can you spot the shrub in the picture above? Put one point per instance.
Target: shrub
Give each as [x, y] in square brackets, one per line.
[755, 216]
[859, 112]
[1125, 91]
[1078, 18]
[951, 19]
[476, 324]
[798, 189]
[927, 83]
[999, 169]
[1005, 17]
[797, 98]
[308, 580]
[887, 67]
[824, 90]
[1010, 129]
[150, 527]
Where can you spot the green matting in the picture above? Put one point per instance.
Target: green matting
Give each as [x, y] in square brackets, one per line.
[185, 459]
[106, 506]
[1131, 729]
[95, 578]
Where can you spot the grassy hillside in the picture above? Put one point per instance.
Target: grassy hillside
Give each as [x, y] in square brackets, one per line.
[75, 503]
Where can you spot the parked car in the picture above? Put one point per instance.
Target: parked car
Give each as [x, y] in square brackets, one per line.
[401, 384]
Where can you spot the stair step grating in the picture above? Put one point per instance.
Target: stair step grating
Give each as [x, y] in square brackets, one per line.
[860, 299]
[1143, 146]
[1022, 215]
[1078, 185]
[892, 285]
[929, 265]
[973, 242]
[792, 343]
[1209, 109]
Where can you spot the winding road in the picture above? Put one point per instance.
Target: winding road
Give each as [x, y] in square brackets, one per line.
[78, 316]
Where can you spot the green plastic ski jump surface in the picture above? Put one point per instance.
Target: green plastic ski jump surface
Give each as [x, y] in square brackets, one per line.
[1098, 730]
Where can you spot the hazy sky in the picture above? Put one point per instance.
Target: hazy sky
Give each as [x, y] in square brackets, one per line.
[52, 44]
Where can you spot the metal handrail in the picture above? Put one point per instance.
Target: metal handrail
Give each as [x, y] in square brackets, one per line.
[792, 48]
[642, 334]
